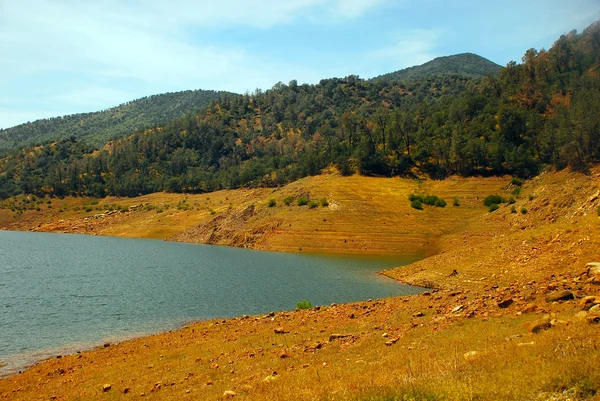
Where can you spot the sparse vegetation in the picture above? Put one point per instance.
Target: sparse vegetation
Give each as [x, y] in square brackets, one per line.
[431, 200]
[523, 210]
[302, 201]
[313, 205]
[304, 304]
[272, 203]
[324, 202]
[493, 207]
[516, 181]
[288, 200]
[493, 200]
[416, 204]
[455, 202]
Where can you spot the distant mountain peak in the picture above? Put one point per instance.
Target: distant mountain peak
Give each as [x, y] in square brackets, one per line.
[466, 64]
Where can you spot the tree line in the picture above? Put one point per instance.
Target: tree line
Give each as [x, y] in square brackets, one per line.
[540, 112]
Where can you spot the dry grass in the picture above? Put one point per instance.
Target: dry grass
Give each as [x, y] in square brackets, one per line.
[476, 352]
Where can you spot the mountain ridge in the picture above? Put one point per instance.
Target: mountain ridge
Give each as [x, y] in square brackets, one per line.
[467, 64]
[98, 127]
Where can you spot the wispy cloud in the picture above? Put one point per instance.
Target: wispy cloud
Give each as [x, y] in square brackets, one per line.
[155, 44]
[408, 48]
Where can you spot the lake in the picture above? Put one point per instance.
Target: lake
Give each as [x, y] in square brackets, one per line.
[60, 292]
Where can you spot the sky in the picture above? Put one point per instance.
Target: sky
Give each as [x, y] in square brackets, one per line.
[61, 57]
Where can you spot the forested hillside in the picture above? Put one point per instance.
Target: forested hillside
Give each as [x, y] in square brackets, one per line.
[98, 128]
[465, 64]
[540, 112]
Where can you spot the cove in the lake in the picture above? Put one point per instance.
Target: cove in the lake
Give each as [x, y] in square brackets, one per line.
[60, 292]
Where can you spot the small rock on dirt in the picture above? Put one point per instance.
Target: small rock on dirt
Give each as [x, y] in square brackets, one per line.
[106, 387]
[540, 325]
[505, 303]
[229, 394]
[559, 296]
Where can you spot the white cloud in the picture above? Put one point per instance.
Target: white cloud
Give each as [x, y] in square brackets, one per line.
[409, 48]
[152, 44]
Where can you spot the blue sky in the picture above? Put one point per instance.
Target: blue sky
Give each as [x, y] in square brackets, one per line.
[61, 57]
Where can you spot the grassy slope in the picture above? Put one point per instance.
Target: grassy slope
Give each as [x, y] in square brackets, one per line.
[455, 343]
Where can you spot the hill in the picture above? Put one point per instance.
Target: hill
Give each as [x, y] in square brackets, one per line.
[99, 127]
[466, 64]
[530, 116]
[490, 326]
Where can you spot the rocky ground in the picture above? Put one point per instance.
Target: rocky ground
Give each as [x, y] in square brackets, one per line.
[512, 312]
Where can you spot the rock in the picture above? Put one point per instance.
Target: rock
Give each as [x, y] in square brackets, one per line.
[471, 356]
[581, 315]
[284, 355]
[229, 394]
[540, 325]
[391, 341]
[126, 390]
[106, 345]
[594, 310]
[106, 387]
[270, 378]
[593, 319]
[418, 314]
[505, 303]
[559, 296]
[529, 308]
[457, 308]
[385, 335]
[338, 336]
[279, 330]
[588, 302]
[593, 270]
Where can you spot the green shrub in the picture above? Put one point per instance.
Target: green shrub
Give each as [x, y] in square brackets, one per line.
[272, 203]
[212, 212]
[511, 201]
[288, 200]
[513, 209]
[312, 205]
[413, 197]
[455, 202]
[88, 209]
[493, 207]
[430, 200]
[516, 181]
[302, 201]
[304, 304]
[517, 191]
[493, 200]
[416, 204]
[531, 197]
[523, 210]
[94, 202]
[324, 202]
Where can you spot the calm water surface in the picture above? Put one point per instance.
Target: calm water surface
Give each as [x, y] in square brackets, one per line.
[60, 293]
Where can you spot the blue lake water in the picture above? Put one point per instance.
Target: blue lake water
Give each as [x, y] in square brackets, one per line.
[60, 292]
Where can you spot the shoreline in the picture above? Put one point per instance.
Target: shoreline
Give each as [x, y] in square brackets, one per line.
[507, 288]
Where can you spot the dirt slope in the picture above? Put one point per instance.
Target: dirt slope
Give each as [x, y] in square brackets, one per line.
[511, 314]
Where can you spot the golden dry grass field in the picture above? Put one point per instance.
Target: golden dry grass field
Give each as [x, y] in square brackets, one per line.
[510, 313]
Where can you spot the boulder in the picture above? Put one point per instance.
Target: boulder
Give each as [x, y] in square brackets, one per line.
[529, 308]
[106, 387]
[559, 296]
[229, 394]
